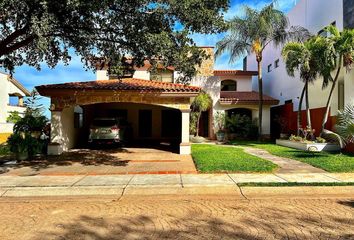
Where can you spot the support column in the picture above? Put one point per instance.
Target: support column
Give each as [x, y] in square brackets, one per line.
[55, 146]
[185, 146]
[20, 101]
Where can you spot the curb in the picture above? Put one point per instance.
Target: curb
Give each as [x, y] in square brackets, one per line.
[238, 192]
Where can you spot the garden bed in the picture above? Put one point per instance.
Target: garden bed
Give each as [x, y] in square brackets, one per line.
[309, 146]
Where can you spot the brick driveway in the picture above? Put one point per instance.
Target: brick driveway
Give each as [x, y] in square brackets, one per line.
[126, 160]
[176, 217]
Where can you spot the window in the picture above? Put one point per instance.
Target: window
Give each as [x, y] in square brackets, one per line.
[276, 63]
[78, 117]
[228, 85]
[269, 67]
[348, 13]
[162, 76]
[78, 120]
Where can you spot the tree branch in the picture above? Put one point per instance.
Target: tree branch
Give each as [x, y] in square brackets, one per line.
[9, 39]
[23, 43]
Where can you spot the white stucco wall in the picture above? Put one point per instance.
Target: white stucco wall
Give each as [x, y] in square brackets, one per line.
[212, 85]
[313, 15]
[62, 128]
[6, 88]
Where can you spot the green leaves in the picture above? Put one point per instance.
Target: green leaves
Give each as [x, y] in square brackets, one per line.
[253, 32]
[345, 123]
[37, 31]
[202, 102]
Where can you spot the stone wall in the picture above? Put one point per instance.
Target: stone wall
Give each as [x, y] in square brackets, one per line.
[207, 67]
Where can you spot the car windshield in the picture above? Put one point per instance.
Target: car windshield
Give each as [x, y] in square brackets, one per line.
[104, 122]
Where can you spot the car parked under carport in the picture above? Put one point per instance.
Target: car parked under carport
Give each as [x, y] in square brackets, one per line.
[157, 111]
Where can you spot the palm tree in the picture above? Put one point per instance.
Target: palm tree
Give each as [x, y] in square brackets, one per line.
[201, 104]
[340, 45]
[253, 33]
[300, 57]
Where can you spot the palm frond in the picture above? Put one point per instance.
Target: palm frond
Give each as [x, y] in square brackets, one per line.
[345, 123]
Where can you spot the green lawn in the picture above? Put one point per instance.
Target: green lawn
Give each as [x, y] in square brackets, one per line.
[331, 162]
[213, 159]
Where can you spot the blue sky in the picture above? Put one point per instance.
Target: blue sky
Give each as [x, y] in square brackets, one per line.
[75, 71]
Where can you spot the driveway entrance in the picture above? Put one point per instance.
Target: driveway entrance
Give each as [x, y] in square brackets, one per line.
[127, 160]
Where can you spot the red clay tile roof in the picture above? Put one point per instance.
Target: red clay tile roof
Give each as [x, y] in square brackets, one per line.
[245, 98]
[234, 72]
[125, 84]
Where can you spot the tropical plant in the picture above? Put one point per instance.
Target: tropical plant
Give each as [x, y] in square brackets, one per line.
[24, 143]
[300, 57]
[37, 31]
[242, 126]
[345, 124]
[34, 119]
[201, 104]
[340, 45]
[219, 121]
[27, 130]
[253, 33]
[193, 123]
[14, 117]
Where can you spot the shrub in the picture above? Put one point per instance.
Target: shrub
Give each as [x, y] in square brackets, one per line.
[242, 126]
[24, 142]
[296, 138]
[27, 130]
[193, 123]
[14, 117]
[219, 122]
[320, 140]
[345, 124]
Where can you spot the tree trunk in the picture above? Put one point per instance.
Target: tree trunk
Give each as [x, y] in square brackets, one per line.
[299, 122]
[329, 100]
[260, 91]
[198, 120]
[308, 113]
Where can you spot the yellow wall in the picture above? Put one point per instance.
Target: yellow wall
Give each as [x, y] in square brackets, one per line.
[4, 137]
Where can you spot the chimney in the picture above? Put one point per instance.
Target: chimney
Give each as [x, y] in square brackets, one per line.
[207, 66]
[101, 68]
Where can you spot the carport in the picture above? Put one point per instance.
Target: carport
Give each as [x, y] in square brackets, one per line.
[157, 112]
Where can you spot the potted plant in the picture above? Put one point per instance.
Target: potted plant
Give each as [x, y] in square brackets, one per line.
[219, 126]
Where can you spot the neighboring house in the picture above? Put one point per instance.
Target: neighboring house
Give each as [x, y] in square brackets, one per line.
[314, 15]
[11, 99]
[157, 108]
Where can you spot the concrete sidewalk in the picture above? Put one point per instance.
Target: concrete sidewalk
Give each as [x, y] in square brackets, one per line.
[14, 186]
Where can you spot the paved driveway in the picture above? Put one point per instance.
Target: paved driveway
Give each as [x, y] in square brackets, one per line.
[106, 162]
[175, 217]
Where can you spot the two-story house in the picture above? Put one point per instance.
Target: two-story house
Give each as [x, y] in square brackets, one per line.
[12, 94]
[314, 15]
[156, 107]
